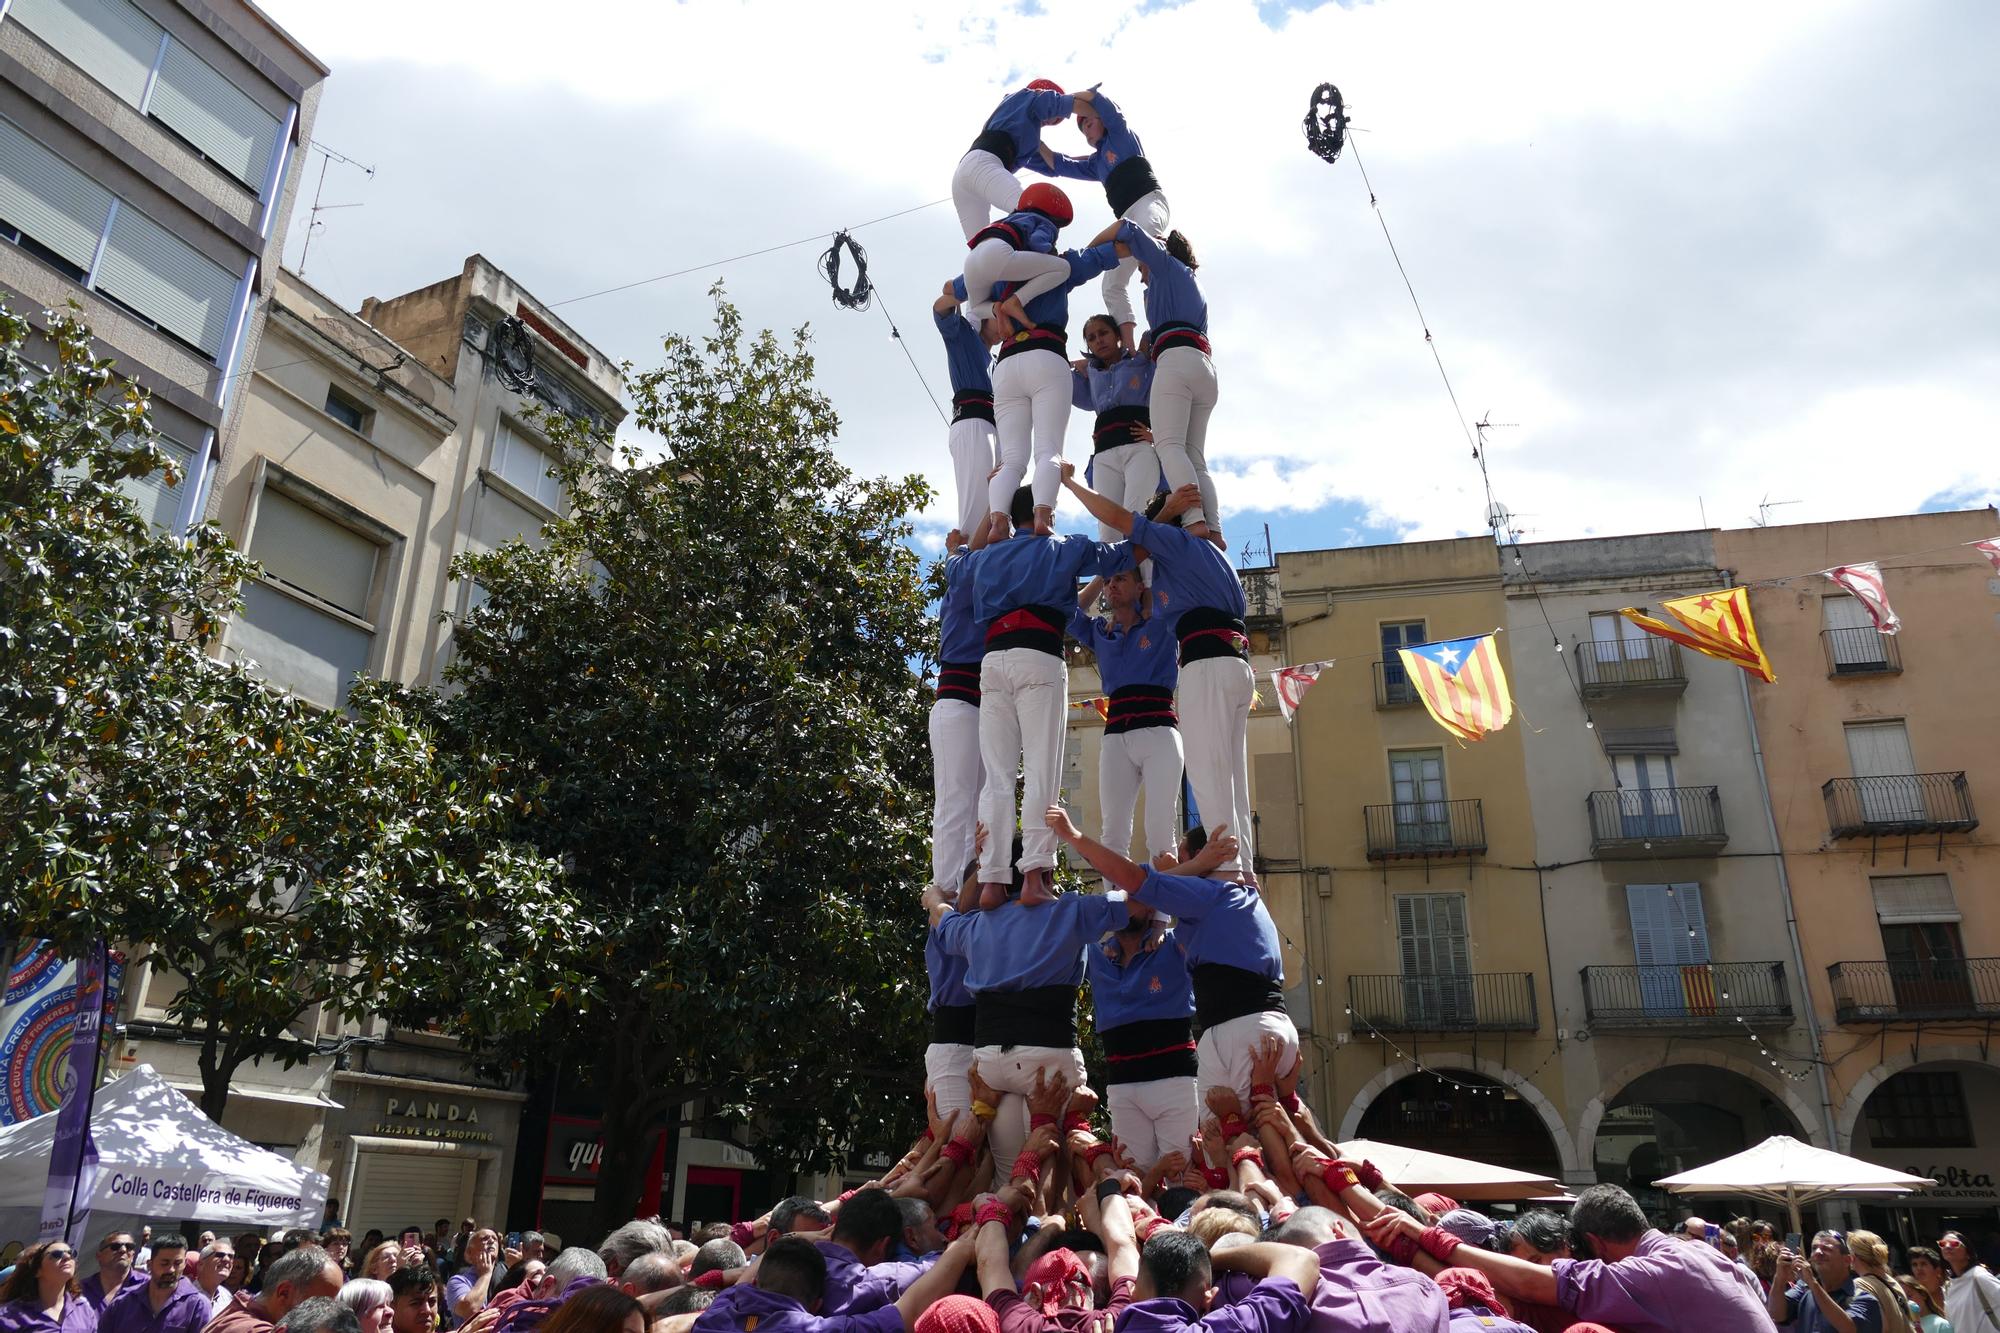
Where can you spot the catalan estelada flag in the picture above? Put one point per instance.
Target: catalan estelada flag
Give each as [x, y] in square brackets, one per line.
[1461, 684]
[1715, 623]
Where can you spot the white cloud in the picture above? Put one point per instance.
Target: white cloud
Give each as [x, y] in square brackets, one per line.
[1697, 253]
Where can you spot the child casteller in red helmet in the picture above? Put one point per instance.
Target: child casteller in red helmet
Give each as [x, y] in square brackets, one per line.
[984, 181]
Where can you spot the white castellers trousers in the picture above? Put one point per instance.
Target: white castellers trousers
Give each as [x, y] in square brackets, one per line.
[1214, 708]
[1010, 1071]
[955, 782]
[993, 260]
[1148, 757]
[946, 1063]
[1184, 393]
[979, 186]
[1031, 397]
[1127, 473]
[971, 442]
[1154, 1118]
[1149, 214]
[1023, 696]
[1223, 1055]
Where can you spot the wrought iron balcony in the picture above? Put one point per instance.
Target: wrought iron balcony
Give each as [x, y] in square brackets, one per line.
[1650, 821]
[1393, 688]
[1425, 829]
[1916, 990]
[1899, 803]
[1651, 664]
[1445, 1002]
[1694, 997]
[1861, 652]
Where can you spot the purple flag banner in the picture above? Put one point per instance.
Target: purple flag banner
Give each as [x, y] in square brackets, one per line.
[73, 1156]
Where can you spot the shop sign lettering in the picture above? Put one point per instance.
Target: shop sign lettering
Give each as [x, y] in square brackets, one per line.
[418, 1118]
[1955, 1182]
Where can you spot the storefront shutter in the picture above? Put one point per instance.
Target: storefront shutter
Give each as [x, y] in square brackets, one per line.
[393, 1190]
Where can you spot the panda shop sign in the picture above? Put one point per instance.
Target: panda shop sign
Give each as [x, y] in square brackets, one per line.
[419, 1117]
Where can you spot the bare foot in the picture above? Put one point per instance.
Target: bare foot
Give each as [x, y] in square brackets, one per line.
[991, 896]
[1037, 888]
[1045, 521]
[1012, 314]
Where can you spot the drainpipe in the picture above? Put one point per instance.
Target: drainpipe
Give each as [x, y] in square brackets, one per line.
[1792, 926]
[1307, 895]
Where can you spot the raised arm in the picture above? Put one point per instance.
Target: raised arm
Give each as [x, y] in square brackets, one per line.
[1144, 248]
[1102, 508]
[1117, 870]
[1264, 1259]
[936, 1284]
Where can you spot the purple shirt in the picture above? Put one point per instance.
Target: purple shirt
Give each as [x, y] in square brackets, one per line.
[131, 1311]
[739, 1307]
[1275, 1305]
[93, 1289]
[1357, 1292]
[1474, 1318]
[27, 1316]
[1663, 1284]
[850, 1288]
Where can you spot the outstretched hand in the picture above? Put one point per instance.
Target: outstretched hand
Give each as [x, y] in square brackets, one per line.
[1067, 469]
[1179, 502]
[1221, 846]
[1059, 821]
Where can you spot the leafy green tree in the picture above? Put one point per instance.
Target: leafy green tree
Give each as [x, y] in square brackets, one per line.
[282, 859]
[707, 667]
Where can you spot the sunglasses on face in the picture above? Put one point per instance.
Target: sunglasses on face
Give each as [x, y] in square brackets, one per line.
[122, 1245]
[59, 1254]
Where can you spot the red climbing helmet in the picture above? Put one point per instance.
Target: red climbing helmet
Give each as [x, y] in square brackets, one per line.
[1044, 85]
[1049, 201]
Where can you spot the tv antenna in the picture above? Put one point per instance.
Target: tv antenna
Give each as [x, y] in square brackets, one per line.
[1764, 508]
[327, 157]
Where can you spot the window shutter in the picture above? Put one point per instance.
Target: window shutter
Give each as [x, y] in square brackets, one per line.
[1449, 941]
[304, 548]
[1879, 749]
[157, 500]
[1646, 904]
[1845, 613]
[525, 465]
[1639, 740]
[1412, 934]
[48, 199]
[167, 280]
[1691, 925]
[110, 40]
[1662, 915]
[194, 99]
[1914, 899]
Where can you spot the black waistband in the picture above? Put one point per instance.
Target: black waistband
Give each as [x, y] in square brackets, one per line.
[1222, 992]
[1045, 337]
[1129, 182]
[997, 231]
[1114, 425]
[971, 404]
[1206, 632]
[999, 143]
[952, 1024]
[959, 680]
[1152, 1048]
[1179, 334]
[1133, 707]
[1038, 1016]
[1037, 627]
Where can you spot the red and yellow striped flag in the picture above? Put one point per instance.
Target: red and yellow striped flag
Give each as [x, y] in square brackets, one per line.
[1461, 684]
[1715, 623]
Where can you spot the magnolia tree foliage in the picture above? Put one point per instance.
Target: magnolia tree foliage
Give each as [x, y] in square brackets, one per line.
[704, 674]
[285, 861]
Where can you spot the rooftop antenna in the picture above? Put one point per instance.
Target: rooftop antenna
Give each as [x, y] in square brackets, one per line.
[1255, 557]
[1764, 508]
[327, 156]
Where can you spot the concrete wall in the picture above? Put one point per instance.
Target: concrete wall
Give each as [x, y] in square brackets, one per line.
[1949, 602]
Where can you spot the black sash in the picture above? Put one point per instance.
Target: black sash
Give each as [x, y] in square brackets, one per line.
[1048, 337]
[1129, 182]
[1222, 992]
[1206, 632]
[1038, 1016]
[971, 404]
[1169, 336]
[999, 143]
[1152, 1048]
[1037, 627]
[960, 681]
[952, 1024]
[1114, 426]
[1137, 706]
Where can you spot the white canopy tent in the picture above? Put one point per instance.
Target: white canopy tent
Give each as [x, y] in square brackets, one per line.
[158, 1158]
[1414, 1171]
[1783, 1171]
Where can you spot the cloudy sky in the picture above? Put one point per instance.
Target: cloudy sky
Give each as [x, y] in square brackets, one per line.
[1695, 256]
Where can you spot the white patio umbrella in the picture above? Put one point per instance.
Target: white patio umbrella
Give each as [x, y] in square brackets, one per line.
[1783, 1171]
[1414, 1171]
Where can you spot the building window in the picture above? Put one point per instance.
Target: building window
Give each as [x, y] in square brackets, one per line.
[1646, 804]
[158, 501]
[1436, 958]
[1851, 636]
[1396, 685]
[525, 465]
[1421, 809]
[1613, 638]
[126, 51]
[1670, 937]
[1881, 751]
[56, 212]
[349, 412]
[1919, 1108]
[308, 623]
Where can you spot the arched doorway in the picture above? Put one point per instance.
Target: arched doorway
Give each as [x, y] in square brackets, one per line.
[1938, 1118]
[1678, 1118]
[1462, 1114]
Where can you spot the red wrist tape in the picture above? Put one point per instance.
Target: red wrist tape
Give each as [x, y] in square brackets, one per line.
[959, 1151]
[1367, 1173]
[1290, 1101]
[1077, 1122]
[1263, 1092]
[1402, 1248]
[994, 1211]
[1095, 1151]
[1216, 1177]
[742, 1233]
[845, 1195]
[1028, 1166]
[713, 1280]
[1242, 1155]
[1439, 1244]
[1039, 1121]
[959, 1220]
[1234, 1126]
[1146, 1229]
[1339, 1176]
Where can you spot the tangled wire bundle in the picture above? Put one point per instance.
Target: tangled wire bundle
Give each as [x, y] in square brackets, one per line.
[1326, 123]
[848, 298]
[514, 355]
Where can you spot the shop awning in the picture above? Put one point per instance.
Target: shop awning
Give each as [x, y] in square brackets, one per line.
[1412, 1170]
[1783, 1171]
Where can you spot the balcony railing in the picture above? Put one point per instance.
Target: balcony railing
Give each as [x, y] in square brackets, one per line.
[1640, 821]
[1445, 1002]
[1916, 990]
[1425, 828]
[1392, 685]
[1899, 803]
[1262, 597]
[1650, 663]
[1690, 997]
[1861, 652]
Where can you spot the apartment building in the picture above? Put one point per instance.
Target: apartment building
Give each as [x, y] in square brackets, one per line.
[1879, 749]
[371, 450]
[149, 155]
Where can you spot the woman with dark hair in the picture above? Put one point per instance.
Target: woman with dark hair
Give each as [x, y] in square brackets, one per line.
[597, 1309]
[1972, 1299]
[1117, 385]
[42, 1296]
